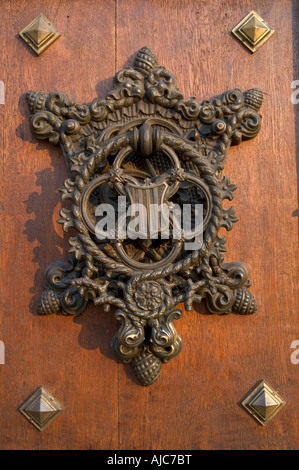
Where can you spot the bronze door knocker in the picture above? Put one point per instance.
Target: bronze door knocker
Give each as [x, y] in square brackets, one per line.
[146, 146]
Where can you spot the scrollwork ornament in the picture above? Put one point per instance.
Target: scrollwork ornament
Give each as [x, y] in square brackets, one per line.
[145, 142]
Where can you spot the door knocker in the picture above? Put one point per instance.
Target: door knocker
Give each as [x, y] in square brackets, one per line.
[140, 161]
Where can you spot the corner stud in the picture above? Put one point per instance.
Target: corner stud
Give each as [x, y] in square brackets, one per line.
[253, 31]
[39, 34]
[263, 403]
[41, 408]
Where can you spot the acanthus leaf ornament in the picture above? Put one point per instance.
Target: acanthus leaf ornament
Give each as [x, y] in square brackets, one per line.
[146, 143]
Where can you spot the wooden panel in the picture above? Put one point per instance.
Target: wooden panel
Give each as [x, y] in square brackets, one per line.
[195, 402]
[69, 356]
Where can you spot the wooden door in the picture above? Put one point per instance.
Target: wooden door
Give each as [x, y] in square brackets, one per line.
[195, 404]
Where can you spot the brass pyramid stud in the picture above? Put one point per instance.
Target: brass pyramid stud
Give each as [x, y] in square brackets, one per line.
[263, 403]
[39, 34]
[253, 31]
[41, 408]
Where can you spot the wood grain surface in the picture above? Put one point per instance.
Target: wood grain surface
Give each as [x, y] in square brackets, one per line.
[195, 404]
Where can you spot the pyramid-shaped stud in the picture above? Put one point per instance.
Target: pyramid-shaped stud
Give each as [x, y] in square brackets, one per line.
[41, 408]
[263, 403]
[253, 31]
[39, 34]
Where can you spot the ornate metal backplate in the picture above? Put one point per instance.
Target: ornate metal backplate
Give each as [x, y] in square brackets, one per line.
[145, 143]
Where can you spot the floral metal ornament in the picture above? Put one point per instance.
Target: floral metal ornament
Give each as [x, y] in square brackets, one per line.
[146, 143]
